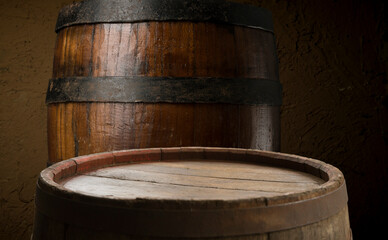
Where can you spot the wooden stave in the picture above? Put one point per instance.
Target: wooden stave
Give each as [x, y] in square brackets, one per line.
[333, 176]
[62, 130]
[48, 228]
[69, 125]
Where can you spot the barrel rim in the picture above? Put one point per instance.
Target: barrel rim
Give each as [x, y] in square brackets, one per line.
[333, 176]
[124, 11]
[239, 217]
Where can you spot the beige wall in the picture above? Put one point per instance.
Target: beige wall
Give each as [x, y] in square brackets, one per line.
[26, 51]
[331, 67]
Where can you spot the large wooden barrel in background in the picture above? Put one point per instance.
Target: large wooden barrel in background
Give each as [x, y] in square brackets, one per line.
[149, 73]
[191, 193]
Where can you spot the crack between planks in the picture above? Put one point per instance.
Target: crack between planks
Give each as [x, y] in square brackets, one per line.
[226, 178]
[182, 185]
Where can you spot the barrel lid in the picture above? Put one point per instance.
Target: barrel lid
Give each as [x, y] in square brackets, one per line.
[127, 11]
[188, 217]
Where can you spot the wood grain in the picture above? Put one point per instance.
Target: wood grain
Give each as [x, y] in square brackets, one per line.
[158, 49]
[153, 191]
[81, 128]
[174, 49]
[198, 180]
[335, 227]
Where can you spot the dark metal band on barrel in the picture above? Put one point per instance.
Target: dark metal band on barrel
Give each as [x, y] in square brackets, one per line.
[164, 89]
[201, 222]
[124, 11]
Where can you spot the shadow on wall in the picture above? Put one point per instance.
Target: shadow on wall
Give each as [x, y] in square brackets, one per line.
[332, 66]
[333, 58]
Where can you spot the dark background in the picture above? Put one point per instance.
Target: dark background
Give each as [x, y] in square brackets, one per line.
[333, 67]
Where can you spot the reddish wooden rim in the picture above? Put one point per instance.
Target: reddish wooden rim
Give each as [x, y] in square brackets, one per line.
[78, 165]
[210, 218]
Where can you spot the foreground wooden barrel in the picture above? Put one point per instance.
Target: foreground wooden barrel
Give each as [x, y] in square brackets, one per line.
[150, 73]
[187, 193]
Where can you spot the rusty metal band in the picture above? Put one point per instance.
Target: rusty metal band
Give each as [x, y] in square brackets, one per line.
[126, 11]
[188, 223]
[163, 89]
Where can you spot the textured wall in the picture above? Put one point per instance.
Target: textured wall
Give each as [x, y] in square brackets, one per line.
[333, 63]
[27, 40]
[332, 66]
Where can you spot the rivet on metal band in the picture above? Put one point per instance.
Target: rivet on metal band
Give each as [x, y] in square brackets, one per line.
[126, 11]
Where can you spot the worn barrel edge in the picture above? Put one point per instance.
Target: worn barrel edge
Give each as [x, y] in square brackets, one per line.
[64, 207]
[124, 11]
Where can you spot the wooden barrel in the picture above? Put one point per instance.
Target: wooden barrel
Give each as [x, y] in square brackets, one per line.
[150, 73]
[191, 193]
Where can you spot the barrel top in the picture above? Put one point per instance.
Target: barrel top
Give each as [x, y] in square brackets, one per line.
[218, 190]
[251, 176]
[127, 11]
[192, 180]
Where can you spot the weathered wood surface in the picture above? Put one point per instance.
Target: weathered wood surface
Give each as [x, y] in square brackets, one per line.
[192, 180]
[76, 129]
[173, 192]
[333, 228]
[162, 49]
[175, 49]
